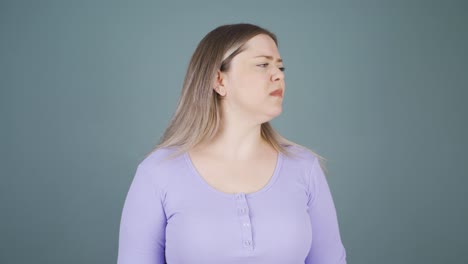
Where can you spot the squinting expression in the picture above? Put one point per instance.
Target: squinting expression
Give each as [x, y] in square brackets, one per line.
[254, 74]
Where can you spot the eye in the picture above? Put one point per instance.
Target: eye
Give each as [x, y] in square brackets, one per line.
[264, 65]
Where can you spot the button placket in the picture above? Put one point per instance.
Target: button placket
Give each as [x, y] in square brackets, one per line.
[244, 218]
[242, 210]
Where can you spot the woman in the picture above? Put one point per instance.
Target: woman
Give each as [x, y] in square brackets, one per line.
[222, 186]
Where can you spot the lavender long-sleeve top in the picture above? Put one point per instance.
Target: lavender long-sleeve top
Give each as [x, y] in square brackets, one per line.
[172, 215]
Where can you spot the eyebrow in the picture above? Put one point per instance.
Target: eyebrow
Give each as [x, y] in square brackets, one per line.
[269, 57]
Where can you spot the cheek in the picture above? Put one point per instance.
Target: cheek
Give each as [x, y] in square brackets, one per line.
[251, 89]
[256, 83]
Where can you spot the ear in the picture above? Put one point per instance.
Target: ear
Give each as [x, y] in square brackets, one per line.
[219, 83]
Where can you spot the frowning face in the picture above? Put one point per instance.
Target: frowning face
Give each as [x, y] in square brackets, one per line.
[253, 75]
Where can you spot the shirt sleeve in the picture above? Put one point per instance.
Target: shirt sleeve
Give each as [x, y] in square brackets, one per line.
[143, 222]
[326, 247]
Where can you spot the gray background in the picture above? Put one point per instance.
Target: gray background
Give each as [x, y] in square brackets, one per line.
[377, 87]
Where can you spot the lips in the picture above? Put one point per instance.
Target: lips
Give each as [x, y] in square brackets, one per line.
[277, 92]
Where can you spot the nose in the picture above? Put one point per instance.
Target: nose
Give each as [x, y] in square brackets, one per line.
[277, 75]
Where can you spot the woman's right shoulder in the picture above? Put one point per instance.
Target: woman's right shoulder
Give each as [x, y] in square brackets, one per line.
[159, 157]
[158, 168]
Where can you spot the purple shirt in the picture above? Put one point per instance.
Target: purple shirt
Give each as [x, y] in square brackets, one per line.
[172, 215]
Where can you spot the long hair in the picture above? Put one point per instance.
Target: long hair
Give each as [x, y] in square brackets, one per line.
[198, 113]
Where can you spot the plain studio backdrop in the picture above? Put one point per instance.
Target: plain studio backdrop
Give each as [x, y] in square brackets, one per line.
[379, 88]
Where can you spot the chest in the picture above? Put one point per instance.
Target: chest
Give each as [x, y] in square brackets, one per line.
[272, 226]
[236, 176]
[209, 228]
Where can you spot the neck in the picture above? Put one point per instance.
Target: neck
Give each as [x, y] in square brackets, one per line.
[237, 142]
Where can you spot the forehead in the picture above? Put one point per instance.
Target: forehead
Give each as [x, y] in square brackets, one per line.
[261, 45]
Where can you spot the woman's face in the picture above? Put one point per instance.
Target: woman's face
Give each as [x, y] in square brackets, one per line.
[253, 75]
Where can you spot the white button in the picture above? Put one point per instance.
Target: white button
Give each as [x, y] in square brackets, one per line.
[242, 210]
[246, 224]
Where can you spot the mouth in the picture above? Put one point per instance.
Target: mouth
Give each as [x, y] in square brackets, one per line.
[277, 92]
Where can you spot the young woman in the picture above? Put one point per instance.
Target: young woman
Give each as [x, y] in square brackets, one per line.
[223, 186]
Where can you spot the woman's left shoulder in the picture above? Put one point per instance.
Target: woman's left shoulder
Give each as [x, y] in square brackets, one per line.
[301, 154]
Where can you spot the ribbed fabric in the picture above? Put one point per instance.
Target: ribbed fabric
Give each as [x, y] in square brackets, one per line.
[172, 215]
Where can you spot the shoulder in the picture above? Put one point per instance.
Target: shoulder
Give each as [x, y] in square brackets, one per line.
[159, 165]
[302, 156]
[308, 160]
[309, 163]
[157, 158]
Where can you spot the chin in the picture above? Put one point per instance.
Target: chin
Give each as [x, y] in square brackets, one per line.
[274, 114]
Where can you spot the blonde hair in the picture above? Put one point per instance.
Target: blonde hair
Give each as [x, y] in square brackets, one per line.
[198, 113]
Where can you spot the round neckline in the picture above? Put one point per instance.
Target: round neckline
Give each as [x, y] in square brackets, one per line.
[271, 181]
